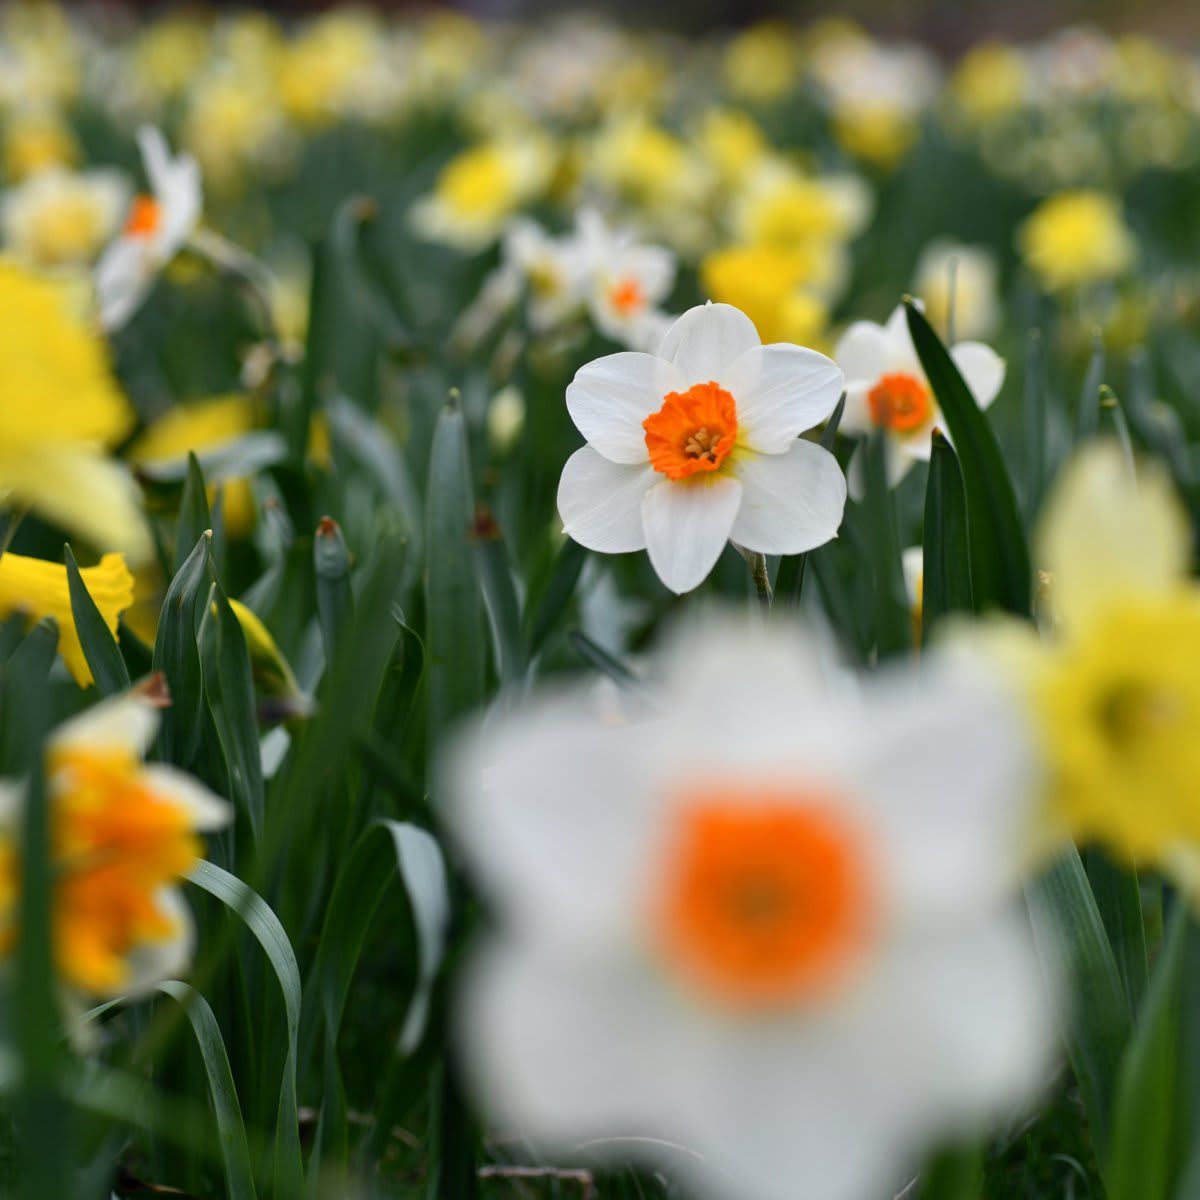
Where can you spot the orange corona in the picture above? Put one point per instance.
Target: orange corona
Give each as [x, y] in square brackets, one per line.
[901, 403]
[626, 296]
[765, 897]
[145, 216]
[694, 432]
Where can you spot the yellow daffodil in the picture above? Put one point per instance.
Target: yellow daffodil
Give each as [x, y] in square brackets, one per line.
[481, 188]
[785, 208]
[203, 426]
[1076, 238]
[990, 82]
[762, 64]
[62, 218]
[1115, 692]
[732, 143]
[327, 65]
[35, 588]
[61, 407]
[779, 290]
[168, 55]
[123, 834]
[36, 140]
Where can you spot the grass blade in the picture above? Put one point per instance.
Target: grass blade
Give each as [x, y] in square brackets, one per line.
[946, 570]
[99, 646]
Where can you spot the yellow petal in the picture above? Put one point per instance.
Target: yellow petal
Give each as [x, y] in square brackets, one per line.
[38, 589]
[272, 674]
[77, 487]
[1105, 536]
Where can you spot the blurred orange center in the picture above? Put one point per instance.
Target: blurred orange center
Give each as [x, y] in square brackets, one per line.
[626, 296]
[694, 431]
[900, 402]
[765, 897]
[144, 216]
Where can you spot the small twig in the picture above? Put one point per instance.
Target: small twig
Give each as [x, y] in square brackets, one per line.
[762, 578]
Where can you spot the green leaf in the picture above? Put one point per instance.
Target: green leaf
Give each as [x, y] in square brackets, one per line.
[542, 617]
[1087, 418]
[177, 655]
[453, 608]
[24, 696]
[265, 926]
[893, 623]
[1037, 430]
[955, 1174]
[789, 580]
[238, 1181]
[499, 597]
[946, 569]
[335, 600]
[194, 517]
[229, 689]
[1000, 571]
[99, 646]
[1119, 898]
[1071, 940]
[601, 660]
[1142, 1156]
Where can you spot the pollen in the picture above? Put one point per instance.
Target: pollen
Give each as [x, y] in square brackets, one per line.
[145, 216]
[626, 296]
[901, 403]
[766, 897]
[693, 432]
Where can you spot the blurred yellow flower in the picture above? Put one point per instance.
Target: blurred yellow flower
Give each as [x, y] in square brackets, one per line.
[35, 140]
[169, 54]
[327, 63]
[36, 588]
[123, 834]
[1076, 238]
[200, 426]
[952, 276]
[876, 133]
[785, 208]
[732, 143]
[480, 188]
[61, 407]
[61, 218]
[990, 82]
[776, 289]
[762, 64]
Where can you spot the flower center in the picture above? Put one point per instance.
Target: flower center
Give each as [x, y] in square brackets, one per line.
[145, 216]
[693, 432]
[626, 296]
[765, 897]
[901, 403]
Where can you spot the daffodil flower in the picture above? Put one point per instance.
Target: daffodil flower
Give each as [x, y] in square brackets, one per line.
[62, 406]
[773, 926]
[886, 389]
[699, 444]
[157, 226]
[123, 834]
[36, 589]
[1115, 690]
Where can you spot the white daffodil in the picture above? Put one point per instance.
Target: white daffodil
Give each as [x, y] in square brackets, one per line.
[157, 227]
[886, 389]
[768, 936]
[700, 443]
[124, 833]
[958, 285]
[550, 270]
[628, 282]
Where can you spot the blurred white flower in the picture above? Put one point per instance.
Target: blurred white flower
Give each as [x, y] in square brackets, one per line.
[773, 926]
[700, 443]
[156, 229]
[627, 282]
[62, 218]
[958, 281]
[886, 389]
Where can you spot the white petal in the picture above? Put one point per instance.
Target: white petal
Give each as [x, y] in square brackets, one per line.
[156, 157]
[864, 353]
[610, 398]
[949, 771]
[791, 502]
[856, 416]
[600, 502]
[127, 722]
[206, 809]
[687, 525]
[780, 392]
[123, 279]
[982, 370]
[706, 340]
